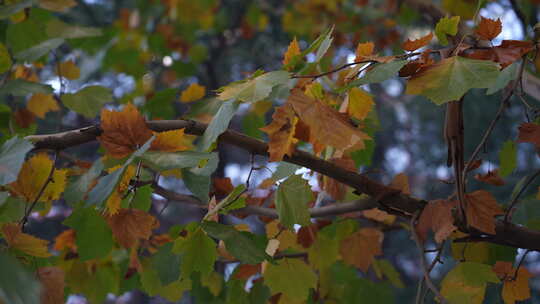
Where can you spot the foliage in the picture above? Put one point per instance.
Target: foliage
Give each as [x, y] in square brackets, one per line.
[162, 88]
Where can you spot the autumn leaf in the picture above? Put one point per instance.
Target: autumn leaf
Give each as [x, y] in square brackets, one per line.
[379, 215]
[192, 93]
[361, 248]
[412, 45]
[488, 29]
[33, 176]
[69, 70]
[292, 51]
[57, 5]
[123, 132]
[446, 26]
[52, 284]
[246, 271]
[40, 104]
[359, 103]
[401, 182]
[491, 177]
[505, 54]
[65, 240]
[130, 225]
[437, 217]
[481, 209]
[529, 133]
[466, 283]
[326, 126]
[331, 186]
[281, 133]
[515, 285]
[114, 201]
[170, 141]
[25, 242]
[364, 50]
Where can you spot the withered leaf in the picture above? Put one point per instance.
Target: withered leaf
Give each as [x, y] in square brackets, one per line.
[488, 29]
[481, 210]
[412, 45]
[361, 248]
[281, 133]
[437, 217]
[130, 225]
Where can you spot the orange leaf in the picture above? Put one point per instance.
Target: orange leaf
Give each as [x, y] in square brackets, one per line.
[361, 247]
[281, 133]
[69, 70]
[130, 225]
[170, 141]
[412, 45]
[514, 288]
[222, 186]
[292, 50]
[192, 93]
[114, 201]
[401, 183]
[52, 285]
[529, 132]
[65, 240]
[492, 178]
[437, 217]
[123, 132]
[379, 215]
[359, 103]
[25, 242]
[33, 176]
[245, 271]
[364, 50]
[480, 209]
[40, 104]
[489, 28]
[326, 125]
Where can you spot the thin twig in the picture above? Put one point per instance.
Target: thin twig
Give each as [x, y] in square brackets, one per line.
[520, 263]
[527, 182]
[49, 179]
[423, 263]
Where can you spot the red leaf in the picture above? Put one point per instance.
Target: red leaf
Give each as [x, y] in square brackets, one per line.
[529, 133]
[489, 28]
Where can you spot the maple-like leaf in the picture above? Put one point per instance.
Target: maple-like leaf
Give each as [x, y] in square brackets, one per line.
[530, 133]
[25, 242]
[481, 209]
[281, 133]
[413, 45]
[292, 198]
[326, 126]
[123, 132]
[52, 284]
[199, 252]
[300, 278]
[33, 176]
[130, 225]
[65, 240]
[68, 69]
[488, 29]
[192, 93]
[515, 285]
[466, 283]
[361, 248]
[437, 217]
[359, 103]
[170, 141]
[114, 201]
[364, 50]
[491, 177]
[40, 104]
[292, 51]
[452, 77]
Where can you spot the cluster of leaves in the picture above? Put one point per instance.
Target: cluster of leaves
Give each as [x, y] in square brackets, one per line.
[112, 244]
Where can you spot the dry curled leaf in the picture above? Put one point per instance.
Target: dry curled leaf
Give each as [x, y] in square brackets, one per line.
[334, 188]
[481, 208]
[488, 29]
[281, 133]
[412, 45]
[491, 177]
[437, 217]
[529, 133]
[130, 225]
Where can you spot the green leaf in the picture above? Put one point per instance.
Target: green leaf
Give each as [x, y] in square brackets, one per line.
[446, 26]
[17, 284]
[236, 293]
[505, 76]
[76, 190]
[242, 245]
[20, 87]
[167, 264]
[28, 33]
[161, 104]
[3, 198]
[198, 252]
[325, 45]
[466, 281]
[380, 73]
[259, 293]
[507, 158]
[165, 160]
[232, 201]
[323, 252]
[292, 277]
[292, 198]
[199, 185]
[94, 237]
[88, 101]
[452, 77]
[283, 170]
[143, 198]
[7, 10]
[58, 29]
[152, 286]
[12, 209]
[219, 124]
[254, 89]
[38, 50]
[251, 124]
[12, 154]
[390, 272]
[5, 59]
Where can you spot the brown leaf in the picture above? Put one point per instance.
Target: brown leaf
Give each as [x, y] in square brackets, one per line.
[514, 288]
[530, 133]
[507, 53]
[481, 209]
[364, 50]
[401, 183]
[326, 125]
[52, 285]
[245, 271]
[492, 178]
[24, 118]
[130, 225]
[281, 133]
[437, 217]
[65, 240]
[222, 186]
[361, 247]
[412, 45]
[489, 28]
[334, 188]
[307, 235]
[123, 132]
[379, 215]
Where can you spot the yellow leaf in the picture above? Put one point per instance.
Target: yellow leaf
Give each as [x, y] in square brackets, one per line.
[69, 70]
[130, 225]
[33, 176]
[281, 133]
[364, 50]
[40, 104]
[360, 103]
[114, 201]
[25, 242]
[292, 50]
[65, 240]
[170, 141]
[261, 107]
[57, 5]
[192, 93]
[516, 286]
